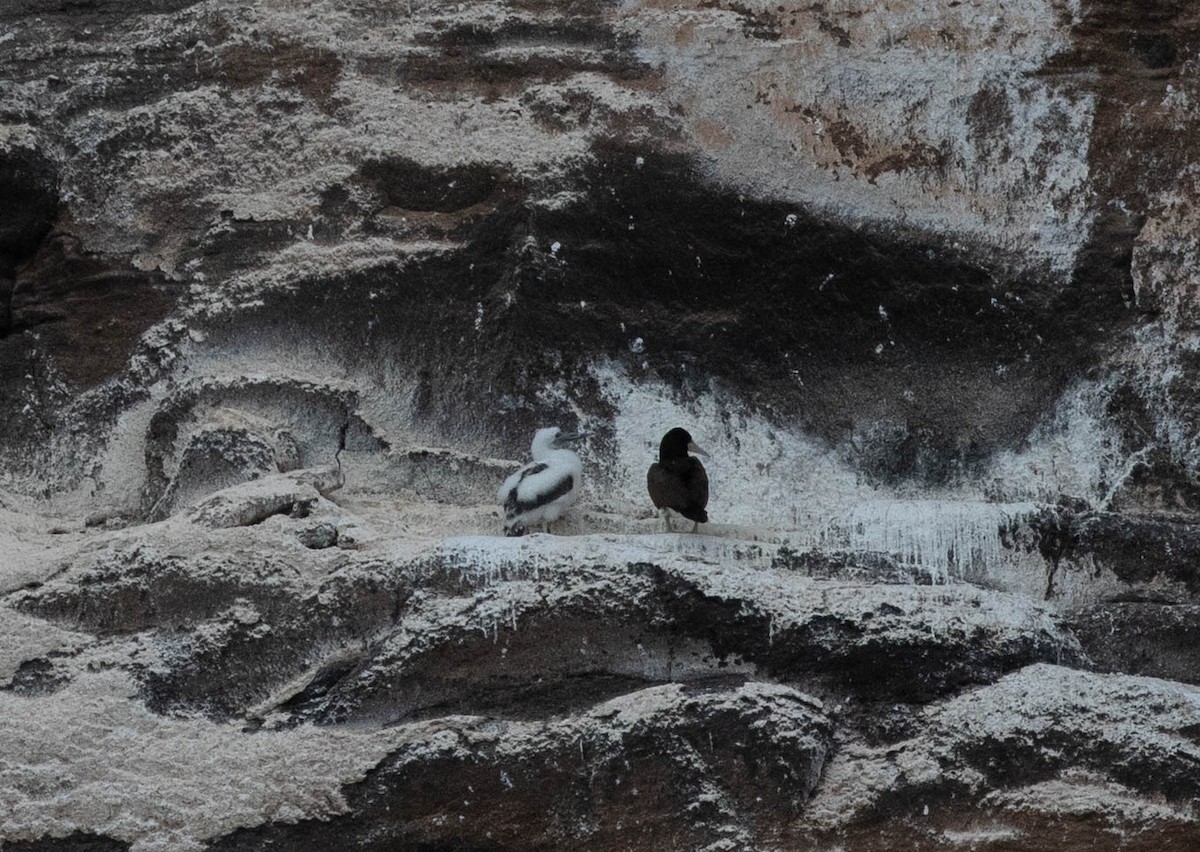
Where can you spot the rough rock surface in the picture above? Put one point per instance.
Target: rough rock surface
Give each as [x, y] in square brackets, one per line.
[286, 287]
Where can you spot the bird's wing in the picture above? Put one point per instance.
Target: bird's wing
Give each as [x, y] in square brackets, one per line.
[698, 484]
[540, 486]
[679, 485]
[666, 487]
[517, 477]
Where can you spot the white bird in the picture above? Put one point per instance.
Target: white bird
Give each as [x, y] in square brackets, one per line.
[546, 487]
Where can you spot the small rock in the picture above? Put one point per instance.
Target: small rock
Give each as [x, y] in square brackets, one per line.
[319, 537]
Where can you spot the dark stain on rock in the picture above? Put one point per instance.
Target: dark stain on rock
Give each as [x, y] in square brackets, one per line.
[1158, 486]
[497, 58]
[466, 671]
[310, 69]
[840, 34]
[76, 841]
[88, 308]
[1142, 550]
[1156, 483]
[567, 110]
[233, 244]
[923, 821]
[1155, 50]
[835, 328]
[28, 208]
[760, 23]
[847, 138]
[497, 74]
[319, 536]
[179, 53]
[586, 32]
[36, 677]
[408, 185]
[989, 116]
[568, 8]
[94, 11]
[858, 565]
[1134, 158]
[919, 157]
[1142, 638]
[324, 681]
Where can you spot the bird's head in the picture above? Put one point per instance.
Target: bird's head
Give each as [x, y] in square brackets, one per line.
[552, 438]
[678, 443]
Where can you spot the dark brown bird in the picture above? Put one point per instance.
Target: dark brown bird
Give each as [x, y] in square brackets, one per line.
[678, 481]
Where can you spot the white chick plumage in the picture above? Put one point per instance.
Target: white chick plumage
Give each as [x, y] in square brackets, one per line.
[546, 487]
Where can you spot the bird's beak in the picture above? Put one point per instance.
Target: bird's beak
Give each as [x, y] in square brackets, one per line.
[567, 437]
[692, 448]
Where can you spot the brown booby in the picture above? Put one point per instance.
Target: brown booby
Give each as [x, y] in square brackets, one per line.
[677, 480]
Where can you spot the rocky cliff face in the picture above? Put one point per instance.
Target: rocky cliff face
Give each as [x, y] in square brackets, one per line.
[285, 289]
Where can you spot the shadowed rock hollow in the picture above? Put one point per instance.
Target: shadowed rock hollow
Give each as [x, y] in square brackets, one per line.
[285, 291]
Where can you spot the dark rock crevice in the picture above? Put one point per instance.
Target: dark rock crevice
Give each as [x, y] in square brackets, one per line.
[28, 209]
